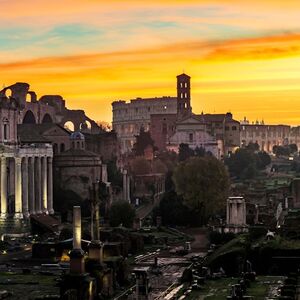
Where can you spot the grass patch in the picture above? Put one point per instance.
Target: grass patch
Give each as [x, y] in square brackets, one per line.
[220, 289]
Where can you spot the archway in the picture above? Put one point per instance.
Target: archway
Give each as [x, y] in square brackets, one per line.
[69, 125]
[86, 125]
[8, 93]
[47, 119]
[29, 118]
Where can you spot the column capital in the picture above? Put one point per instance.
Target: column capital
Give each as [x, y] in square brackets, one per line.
[18, 160]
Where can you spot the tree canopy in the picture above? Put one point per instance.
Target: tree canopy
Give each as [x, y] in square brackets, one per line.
[143, 140]
[121, 213]
[245, 163]
[203, 183]
[185, 152]
[285, 150]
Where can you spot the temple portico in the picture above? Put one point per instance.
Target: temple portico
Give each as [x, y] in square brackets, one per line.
[26, 181]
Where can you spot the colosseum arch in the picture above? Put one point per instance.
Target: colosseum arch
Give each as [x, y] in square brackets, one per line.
[47, 119]
[31, 97]
[86, 125]
[69, 125]
[29, 118]
[8, 93]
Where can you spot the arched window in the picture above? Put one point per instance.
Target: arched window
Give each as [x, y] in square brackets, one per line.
[69, 125]
[29, 118]
[47, 119]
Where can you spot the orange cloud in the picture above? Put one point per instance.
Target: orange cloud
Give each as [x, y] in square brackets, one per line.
[257, 77]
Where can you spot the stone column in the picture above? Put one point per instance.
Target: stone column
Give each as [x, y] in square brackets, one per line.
[18, 187]
[128, 189]
[3, 187]
[125, 185]
[37, 183]
[25, 187]
[44, 185]
[50, 186]
[228, 212]
[31, 186]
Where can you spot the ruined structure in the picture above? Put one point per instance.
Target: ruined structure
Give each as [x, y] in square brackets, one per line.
[77, 169]
[31, 132]
[236, 215]
[171, 122]
[26, 166]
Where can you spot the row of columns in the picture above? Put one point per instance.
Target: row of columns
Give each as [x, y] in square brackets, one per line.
[33, 186]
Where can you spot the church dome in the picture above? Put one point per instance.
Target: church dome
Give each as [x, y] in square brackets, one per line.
[77, 136]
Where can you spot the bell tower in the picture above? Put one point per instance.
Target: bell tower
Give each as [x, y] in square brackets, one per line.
[183, 96]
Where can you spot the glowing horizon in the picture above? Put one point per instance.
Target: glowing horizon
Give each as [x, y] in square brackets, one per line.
[242, 58]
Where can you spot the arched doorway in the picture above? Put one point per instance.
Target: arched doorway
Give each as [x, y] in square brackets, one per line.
[29, 118]
[47, 119]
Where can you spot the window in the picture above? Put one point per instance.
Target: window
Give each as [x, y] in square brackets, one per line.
[164, 128]
[234, 128]
[191, 137]
[5, 129]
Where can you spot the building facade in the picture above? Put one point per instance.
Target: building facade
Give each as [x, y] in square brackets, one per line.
[31, 133]
[163, 116]
[129, 117]
[26, 167]
[266, 136]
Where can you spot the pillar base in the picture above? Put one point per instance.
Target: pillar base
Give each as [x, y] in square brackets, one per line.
[18, 215]
[26, 214]
[39, 212]
[96, 251]
[51, 211]
[45, 212]
[3, 215]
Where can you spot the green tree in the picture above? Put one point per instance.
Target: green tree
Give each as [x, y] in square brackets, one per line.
[185, 152]
[263, 159]
[203, 183]
[293, 148]
[143, 140]
[121, 213]
[281, 151]
[239, 162]
[114, 174]
[253, 147]
[140, 166]
[173, 211]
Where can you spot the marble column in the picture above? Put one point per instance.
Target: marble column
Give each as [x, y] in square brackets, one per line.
[25, 187]
[44, 185]
[31, 186]
[125, 185]
[37, 183]
[3, 187]
[50, 185]
[18, 187]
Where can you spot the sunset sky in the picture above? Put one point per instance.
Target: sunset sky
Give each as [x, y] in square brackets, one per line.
[243, 56]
